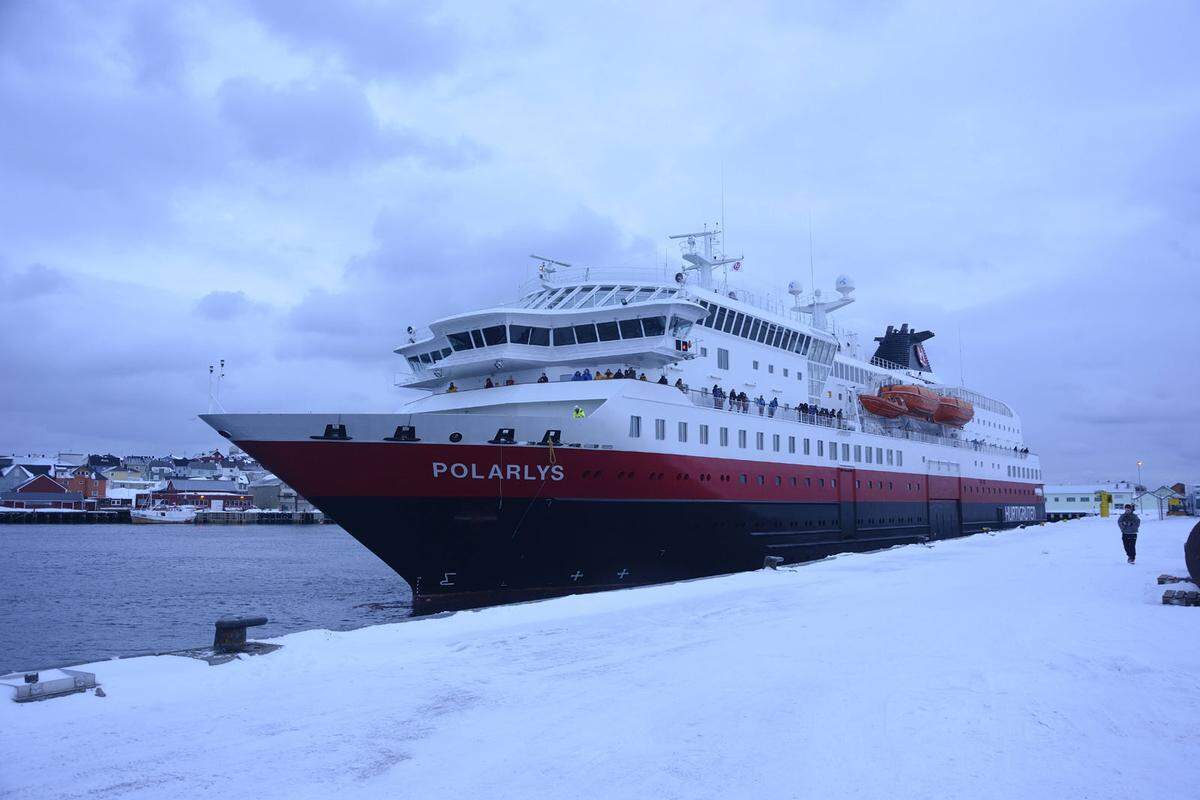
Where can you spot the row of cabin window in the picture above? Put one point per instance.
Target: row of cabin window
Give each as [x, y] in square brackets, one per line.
[1024, 472]
[995, 490]
[541, 337]
[748, 327]
[873, 455]
[585, 333]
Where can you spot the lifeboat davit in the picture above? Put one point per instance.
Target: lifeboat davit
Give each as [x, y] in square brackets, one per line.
[953, 411]
[918, 401]
[882, 406]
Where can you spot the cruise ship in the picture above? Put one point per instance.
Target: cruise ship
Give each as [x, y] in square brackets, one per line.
[613, 427]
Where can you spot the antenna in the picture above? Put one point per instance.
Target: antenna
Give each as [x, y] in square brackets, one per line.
[962, 368]
[812, 270]
[722, 206]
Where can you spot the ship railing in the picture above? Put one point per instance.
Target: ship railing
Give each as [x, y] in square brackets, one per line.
[706, 399]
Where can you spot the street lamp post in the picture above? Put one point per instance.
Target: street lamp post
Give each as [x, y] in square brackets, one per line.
[1139, 465]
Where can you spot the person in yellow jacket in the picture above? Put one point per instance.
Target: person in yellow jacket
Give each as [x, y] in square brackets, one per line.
[578, 413]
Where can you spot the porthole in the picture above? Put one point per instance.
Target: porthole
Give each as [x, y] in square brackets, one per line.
[456, 437]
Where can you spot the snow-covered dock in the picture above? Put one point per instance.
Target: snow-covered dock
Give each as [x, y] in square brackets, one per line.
[1029, 664]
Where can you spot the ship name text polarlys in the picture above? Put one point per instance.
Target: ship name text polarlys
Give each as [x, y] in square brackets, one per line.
[512, 472]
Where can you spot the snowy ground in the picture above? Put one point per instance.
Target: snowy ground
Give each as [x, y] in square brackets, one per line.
[1033, 664]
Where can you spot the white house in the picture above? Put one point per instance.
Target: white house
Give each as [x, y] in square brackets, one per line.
[1066, 501]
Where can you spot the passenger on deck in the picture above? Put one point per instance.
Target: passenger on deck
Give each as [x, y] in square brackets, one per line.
[761, 403]
[642, 377]
[488, 383]
[630, 374]
[680, 385]
[608, 374]
[587, 374]
[451, 388]
[510, 381]
[543, 379]
[772, 406]
[718, 397]
[578, 376]
[662, 380]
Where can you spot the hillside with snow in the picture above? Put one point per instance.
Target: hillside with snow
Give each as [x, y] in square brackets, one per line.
[1026, 664]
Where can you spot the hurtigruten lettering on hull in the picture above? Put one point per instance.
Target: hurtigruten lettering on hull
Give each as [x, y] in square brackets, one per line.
[704, 429]
[494, 472]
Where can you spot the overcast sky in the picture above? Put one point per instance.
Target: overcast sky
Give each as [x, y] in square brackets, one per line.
[288, 185]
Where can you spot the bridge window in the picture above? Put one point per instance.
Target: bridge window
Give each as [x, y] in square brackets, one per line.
[495, 334]
[754, 325]
[477, 338]
[585, 334]
[720, 322]
[680, 327]
[563, 336]
[460, 341]
[654, 326]
[607, 331]
[525, 334]
[631, 328]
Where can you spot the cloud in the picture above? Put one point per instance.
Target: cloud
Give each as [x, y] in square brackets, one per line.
[373, 39]
[35, 280]
[326, 124]
[225, 305]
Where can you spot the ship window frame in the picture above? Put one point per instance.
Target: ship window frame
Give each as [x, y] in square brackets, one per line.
[660, 429]
[807, 446]
[878, 455]
[763, 332]
[477, 338]
[562, 331]
[832, 450]
[791, 444]
[682, 431]
[820, 448]
[754, 328]
[636, 324]
[635, 426]
[732, 322]
[724, 438]
[722, 358]
[759, 440]
[703, 433]
[614, 330]
[845, 451]
[642, 294]
[742, 439]
[719, 322]
[680, 327]
[660, 320]
[497, 332]
[590, 328]
[869, 451]
[462, 338]
[776, 442]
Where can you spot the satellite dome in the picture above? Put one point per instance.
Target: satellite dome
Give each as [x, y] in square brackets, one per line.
[844, 284]
[794, 287]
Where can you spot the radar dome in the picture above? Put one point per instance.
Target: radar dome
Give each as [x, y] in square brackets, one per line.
[794, 287]
[844, 284]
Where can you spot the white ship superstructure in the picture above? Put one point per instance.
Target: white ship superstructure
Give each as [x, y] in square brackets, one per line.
[617, 426]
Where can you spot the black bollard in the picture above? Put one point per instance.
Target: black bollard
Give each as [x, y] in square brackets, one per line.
[231, 632]
[1191, 553]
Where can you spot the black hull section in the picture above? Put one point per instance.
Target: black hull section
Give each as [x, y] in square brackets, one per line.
[464, 553]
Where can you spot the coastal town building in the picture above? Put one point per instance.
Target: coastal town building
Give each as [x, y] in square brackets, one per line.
[42, 491]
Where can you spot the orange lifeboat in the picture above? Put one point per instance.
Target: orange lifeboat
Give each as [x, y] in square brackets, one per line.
[953, 411]
[918, 401]
[882, 406]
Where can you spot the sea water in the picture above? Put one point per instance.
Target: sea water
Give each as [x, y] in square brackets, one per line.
[77, 593]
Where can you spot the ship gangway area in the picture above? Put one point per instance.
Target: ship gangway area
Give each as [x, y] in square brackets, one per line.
[1028, 663]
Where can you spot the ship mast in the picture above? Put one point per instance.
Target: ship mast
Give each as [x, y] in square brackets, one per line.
[703, 265]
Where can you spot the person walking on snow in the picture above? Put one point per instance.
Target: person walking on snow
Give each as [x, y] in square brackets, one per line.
[1129, 523]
